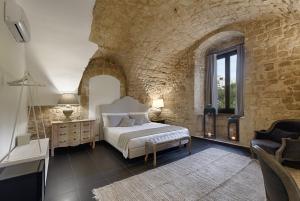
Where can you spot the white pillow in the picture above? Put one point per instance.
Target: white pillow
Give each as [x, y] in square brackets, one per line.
[112, 119]
[126, 122]
[140, 117]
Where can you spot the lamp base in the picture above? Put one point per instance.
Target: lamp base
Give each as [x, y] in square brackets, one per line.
[157, 112]
[68, 114]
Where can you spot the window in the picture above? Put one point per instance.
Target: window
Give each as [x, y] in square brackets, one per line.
[226, 81]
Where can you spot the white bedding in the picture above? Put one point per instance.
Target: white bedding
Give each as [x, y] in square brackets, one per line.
[112, 134]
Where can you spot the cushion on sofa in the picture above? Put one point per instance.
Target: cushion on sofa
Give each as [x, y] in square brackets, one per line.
[267, 145]
[278, 134]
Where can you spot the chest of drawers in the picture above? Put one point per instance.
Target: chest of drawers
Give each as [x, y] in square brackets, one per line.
[72, 133]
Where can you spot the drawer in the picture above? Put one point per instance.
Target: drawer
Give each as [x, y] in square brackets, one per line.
[61, 131]
[85, 126]
[62, 138]
[74, 132]
[62, 134]
[63, 143]
[74, 141]
[85, 138]
[63, 126]
[85, 133]
[74, 126]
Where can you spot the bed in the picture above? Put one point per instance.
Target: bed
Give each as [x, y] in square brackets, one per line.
[130, 140]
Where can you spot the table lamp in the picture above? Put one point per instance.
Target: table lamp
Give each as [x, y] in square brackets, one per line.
[68, 99]
[158, 104]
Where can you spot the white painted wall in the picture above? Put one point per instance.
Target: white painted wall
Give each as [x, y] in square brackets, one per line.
[59, 49]
[103, 89]
[12, 66]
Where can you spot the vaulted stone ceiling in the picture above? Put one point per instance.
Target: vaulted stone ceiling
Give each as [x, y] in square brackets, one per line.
[150, 34]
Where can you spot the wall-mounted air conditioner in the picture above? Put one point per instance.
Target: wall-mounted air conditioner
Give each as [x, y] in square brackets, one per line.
[16, 21]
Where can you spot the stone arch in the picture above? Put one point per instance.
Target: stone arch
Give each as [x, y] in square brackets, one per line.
[99, 66]
[217, 41]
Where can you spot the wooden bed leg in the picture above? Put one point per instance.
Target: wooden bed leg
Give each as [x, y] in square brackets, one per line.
[154, 155]
[190, 146]
[146, 152]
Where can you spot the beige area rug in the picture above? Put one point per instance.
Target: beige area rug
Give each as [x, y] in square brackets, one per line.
[210, 175]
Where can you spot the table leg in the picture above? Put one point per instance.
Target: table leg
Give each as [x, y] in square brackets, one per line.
[93, 144]
[154, 155]
[52, 152]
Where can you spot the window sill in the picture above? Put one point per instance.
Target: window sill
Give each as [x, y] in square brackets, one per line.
[225, 114]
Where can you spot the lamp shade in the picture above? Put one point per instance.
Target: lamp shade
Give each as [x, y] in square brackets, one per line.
[68, 99]
[158, 103]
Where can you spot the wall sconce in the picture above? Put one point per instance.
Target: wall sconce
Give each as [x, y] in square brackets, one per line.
[158, 104]
[68, 99]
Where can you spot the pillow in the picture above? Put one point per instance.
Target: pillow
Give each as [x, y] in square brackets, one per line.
[112, 119]
[278, 134]
[139, 117]
[126, 122]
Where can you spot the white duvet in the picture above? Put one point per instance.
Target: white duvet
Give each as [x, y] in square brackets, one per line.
[112, 134]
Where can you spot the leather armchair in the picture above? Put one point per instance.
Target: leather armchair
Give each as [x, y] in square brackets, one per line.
[279, 185]
[289, 152]
[281, 139]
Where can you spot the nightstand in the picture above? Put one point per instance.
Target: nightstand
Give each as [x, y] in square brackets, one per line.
[162, 121]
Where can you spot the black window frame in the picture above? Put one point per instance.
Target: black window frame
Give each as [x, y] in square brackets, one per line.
[227, 55]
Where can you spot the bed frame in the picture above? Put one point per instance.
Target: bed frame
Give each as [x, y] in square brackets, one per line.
[125, 105]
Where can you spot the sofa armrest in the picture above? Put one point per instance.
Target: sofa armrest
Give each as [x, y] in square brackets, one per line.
[289, 150]
[261, 134]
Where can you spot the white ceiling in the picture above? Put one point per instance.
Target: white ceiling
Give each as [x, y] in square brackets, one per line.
[59, 46]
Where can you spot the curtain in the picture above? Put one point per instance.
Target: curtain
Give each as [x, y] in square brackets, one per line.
[211, 90]
[239, 109]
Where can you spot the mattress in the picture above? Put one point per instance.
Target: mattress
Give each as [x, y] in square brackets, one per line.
[112, 134]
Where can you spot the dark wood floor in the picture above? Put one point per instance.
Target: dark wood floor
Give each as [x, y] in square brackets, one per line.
[75, 172]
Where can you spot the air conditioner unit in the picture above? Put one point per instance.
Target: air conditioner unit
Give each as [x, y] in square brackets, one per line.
[16, 21]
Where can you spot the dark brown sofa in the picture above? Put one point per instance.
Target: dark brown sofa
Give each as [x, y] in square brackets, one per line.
[281, 139]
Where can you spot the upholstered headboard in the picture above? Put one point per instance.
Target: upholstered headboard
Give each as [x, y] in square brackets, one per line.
[124, 105]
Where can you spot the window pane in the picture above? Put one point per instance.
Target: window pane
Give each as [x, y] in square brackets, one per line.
[221, 82]
[232, 98]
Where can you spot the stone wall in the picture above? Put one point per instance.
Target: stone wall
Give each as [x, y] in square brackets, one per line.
[49, 113]
[98, 66]
[271, 79]
[161, 45]
[272, 74]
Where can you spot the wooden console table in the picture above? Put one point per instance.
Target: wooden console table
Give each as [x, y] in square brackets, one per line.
[72, 133]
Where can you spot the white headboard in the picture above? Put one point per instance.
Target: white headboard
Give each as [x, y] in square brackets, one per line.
[124, 105]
